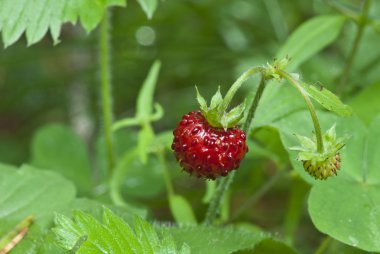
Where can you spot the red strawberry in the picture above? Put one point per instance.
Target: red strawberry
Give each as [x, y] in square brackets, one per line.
[207, 151]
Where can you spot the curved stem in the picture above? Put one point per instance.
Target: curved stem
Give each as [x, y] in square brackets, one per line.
[310, 106]
[224, 183]
[362, 22]
[237, 84]
[106, 96]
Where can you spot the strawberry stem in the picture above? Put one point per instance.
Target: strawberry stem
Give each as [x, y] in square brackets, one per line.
[310, 106]
[235, 86]
[224, 183]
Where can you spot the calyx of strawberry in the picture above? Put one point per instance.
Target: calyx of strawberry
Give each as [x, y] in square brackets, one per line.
[321, 165]
[216, 113]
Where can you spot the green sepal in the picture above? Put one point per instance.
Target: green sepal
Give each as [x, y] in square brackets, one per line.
[215, 115]
[216, 100]
[202, 102]
[236, 114]
[308, 149]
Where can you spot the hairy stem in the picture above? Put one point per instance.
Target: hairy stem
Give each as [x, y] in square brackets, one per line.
[224, 183]
[310, 106]
[106, 96]
[361, 23]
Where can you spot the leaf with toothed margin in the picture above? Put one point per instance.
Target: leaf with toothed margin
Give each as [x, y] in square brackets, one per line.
[216, 100]
[202, 102]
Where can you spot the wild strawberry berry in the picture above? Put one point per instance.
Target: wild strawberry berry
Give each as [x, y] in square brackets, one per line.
[207, 151]
[321, 165]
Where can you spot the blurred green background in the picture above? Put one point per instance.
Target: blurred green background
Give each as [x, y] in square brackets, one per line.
[200, 42]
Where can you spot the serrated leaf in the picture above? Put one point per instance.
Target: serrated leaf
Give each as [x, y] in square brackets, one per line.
[145, 98]
[327, 99]
[214, 240]
[111, 236]
[36, 18]
[181, 210]
[57, 148]
[148, 6]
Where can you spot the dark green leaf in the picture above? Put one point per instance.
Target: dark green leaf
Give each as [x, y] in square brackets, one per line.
[36, 18]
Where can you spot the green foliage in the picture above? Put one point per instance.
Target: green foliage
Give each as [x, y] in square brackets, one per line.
[366, 104]
[216, 240]
[327, 99]
[36, 18]
[181, 209]
[58, 148]
[85, 234]
[29, 191]
[330, 203]
[311, 37]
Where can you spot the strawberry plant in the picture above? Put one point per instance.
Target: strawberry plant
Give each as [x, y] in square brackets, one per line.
[100, 155]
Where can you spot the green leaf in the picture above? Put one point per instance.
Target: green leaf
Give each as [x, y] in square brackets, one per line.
[269, 246]
[148, 6]
[366, 104]
[145, 98]
[330, 202]
[181, 210]
[36, 18]
[309, 38]
[29, 191]
[112, 236]
[56, 147]
[214, 240]
[327, 99]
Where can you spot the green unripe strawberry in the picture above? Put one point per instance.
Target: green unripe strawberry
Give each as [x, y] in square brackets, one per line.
[321, 165]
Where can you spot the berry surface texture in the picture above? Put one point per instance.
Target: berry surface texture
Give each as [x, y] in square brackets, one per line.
[206, 151]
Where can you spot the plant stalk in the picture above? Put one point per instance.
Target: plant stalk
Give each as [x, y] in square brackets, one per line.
[361, 23]
[106, 95]
[237, 84]
[310, 106]
[224, 183]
